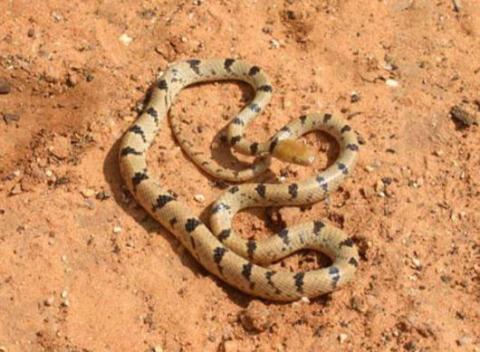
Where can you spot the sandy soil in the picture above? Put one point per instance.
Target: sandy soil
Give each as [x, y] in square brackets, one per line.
[83, 268]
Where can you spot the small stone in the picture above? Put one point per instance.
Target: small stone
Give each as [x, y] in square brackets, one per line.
[369, 168]
[367, 193]
[199, 198]
[286, 103]
[49, 301]
[48, 173]
[457, 5]
[57, 16]
[256, 317]
[291, 15]
[60, 147]
[379, 187]
[454, 217]
[117, 229]
[361, 140]
[438, 152]
[229, 346]
[125, 39]
[103, 195]
[305, 300]
[358, 303]
[354, 97]
[464, 340]
[274, 44]
[5, 86]
[392, 83]
[31, 33]
[463, 116]
[267, 30]
[417, 264]
[10, 118]
[72, 79]
[387, 180]
[27, 184]
[416, 183]
[388, 66]
[157, 349]
[87, 192]
[17, 189]
[410, 346]
[64, 294]
[342, 338]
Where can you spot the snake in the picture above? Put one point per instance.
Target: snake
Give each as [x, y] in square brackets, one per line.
[246, 263]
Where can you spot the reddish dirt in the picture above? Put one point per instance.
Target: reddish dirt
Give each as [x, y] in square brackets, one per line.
[82, 266]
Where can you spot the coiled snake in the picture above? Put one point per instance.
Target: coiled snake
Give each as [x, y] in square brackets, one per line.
[244, 263]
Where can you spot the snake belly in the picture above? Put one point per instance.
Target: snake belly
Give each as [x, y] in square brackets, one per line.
[240, 262]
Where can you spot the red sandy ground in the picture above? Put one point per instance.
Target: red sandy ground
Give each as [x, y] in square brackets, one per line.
[69, 282]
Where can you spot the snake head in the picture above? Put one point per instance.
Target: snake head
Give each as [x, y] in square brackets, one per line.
[294, 151]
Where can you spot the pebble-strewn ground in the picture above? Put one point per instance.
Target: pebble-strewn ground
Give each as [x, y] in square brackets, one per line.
[83, 268]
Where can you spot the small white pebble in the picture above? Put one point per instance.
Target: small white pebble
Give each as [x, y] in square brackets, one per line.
[388, 66]
[64, 294]
[392, 83]
[16, 173]
[49, 301]
[17, 189]
[117, 229]
[48, 172]
[125, 39]
[157, 349]
[274, 44]
[87, 192]
[379, 187]
[57, 16]
[454, 217]
[342, 337]
[416, 263]
[369, 168]
[305, 300]
[199, 198]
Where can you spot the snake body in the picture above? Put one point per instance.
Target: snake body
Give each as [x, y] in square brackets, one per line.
[244, 263]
